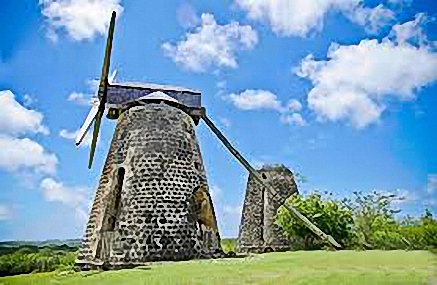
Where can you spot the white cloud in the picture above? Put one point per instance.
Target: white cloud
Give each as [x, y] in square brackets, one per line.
[28, 100]
[56, 191]
[5, 212]
[294, 106]
[411, 32]
[16, 154]
[16, 119]
[81, 19]
[211, 45]
[401, 196]
[432, 183]
[81, 98]
[87, 99]
[373, 19]
[355, 81]
[301, 17]
[293, 119]
[73, 197]
[72, 136]
[255, 99]
[262, 99]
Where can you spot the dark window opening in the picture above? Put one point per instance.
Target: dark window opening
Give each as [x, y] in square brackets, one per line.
[112, 220]
[99, 250]
[197, 166]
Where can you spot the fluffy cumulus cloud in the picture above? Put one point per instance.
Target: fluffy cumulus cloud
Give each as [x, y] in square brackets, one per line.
[353, 83]
[24, 154]
[211, 45]
[255, 99]
[16, 119]
[57, 192]
[261, 99]
[18, 153]
[293, 119]
[301, 17]
[411, 32]
[73, 197]
[81, 19]
[373, 19]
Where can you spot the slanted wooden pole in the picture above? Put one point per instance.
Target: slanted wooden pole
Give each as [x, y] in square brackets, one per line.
[266, 185]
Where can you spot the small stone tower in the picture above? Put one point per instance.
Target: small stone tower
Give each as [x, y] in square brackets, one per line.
[152, 202]
[258, 231]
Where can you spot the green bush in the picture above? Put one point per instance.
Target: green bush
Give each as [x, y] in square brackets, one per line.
[228, 244]
[331, 216]
[44, 261]
[364, 222]
[420, 233]
[375, 226]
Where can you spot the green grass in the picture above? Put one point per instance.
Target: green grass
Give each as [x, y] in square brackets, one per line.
[316, 267]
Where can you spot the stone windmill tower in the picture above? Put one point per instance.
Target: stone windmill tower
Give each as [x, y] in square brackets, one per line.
[258, 231]
[152, 202]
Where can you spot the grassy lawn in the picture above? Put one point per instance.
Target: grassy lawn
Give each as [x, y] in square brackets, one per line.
[317, 267]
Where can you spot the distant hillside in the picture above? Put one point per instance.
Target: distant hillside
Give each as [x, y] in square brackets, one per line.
[51, 242]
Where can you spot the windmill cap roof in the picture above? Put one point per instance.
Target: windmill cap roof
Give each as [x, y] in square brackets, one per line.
[158, 95]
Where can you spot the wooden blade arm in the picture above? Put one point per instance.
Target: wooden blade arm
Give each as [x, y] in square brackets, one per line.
[97, 123]
[266, 185]
[103, 88]
[107, 60]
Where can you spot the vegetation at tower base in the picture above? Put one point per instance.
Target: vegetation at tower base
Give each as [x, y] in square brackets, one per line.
[365, 221]
[373, 227]
[329, 215]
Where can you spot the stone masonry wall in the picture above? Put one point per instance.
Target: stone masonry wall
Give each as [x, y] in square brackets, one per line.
[258, 230]
[147, 206]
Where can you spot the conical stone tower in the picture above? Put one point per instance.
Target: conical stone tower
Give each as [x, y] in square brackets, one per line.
[152, 202]
[258, 231]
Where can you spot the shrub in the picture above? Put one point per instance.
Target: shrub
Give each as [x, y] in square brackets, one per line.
[364, 222]
[45, 261]
[228, 244]
[421, 233]
[330, 216]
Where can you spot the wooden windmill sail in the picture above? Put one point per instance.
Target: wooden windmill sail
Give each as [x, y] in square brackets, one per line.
[153, 202]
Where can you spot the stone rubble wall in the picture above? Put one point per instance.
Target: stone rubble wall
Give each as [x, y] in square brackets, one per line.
[258, 231]
[152, 212]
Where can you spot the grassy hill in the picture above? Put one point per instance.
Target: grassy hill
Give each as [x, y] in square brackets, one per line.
[301, 267]
[50, 242]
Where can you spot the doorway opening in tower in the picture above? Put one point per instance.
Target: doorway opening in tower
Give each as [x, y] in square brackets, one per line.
[112, 214]
[117, 199]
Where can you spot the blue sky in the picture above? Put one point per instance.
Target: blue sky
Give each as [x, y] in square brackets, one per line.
[342, 91]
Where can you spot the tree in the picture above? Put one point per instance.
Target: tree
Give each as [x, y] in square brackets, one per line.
[375, 226]
[330, 215]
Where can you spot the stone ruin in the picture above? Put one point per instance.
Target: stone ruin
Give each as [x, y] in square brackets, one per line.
[258, 231]
[152, 202]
